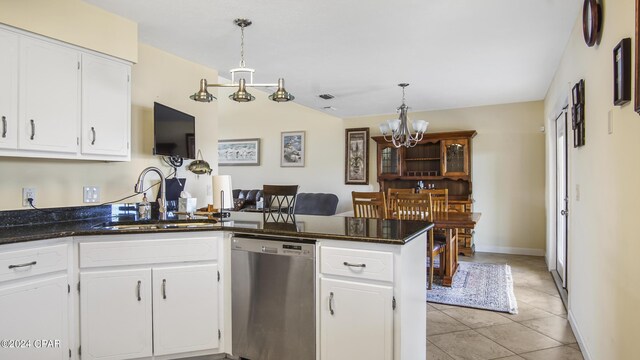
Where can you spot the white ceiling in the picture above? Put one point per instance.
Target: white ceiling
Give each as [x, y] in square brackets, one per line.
[454, 53]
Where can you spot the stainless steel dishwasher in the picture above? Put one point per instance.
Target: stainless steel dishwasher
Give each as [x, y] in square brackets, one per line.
[273, 299]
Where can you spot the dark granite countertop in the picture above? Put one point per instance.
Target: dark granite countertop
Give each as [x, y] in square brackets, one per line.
[25, 225]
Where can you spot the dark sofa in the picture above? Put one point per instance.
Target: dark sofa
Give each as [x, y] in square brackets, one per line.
[306, 203]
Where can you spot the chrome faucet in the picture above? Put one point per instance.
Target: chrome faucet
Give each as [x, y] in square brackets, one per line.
[139, 188]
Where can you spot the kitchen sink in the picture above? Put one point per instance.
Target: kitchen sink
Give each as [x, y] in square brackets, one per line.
[156, 225]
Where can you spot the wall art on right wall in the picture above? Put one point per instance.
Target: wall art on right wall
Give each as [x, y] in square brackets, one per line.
[622, 72]
[636, 97]
[577, 114]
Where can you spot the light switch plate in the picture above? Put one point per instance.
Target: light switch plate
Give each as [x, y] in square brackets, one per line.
[91, 194]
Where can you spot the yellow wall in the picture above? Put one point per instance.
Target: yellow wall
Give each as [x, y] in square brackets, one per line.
[158, 76]
[75, 22]
[508, 170]
[265, 119]
[603, 242]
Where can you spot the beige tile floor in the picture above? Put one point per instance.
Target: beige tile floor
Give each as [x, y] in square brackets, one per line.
[540, 330]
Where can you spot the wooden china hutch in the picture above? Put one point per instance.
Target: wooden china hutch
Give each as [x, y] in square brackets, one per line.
[439, 160]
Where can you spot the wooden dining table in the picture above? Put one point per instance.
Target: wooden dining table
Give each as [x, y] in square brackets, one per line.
[449, 222]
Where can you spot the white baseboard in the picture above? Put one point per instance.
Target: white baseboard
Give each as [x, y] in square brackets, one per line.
[510, 250]
[572, 321]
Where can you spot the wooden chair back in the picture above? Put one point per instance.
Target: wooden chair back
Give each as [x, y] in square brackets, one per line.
[439, 199]
[413, 206]
[369, 204]
[391, 199]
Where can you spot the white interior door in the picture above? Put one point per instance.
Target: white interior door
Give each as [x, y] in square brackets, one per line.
[562, 200]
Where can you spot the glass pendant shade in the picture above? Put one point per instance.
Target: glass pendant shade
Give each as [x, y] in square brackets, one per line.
[394, 124]
[384, 128]
[281, 95]
[202, 95]
[242, 95]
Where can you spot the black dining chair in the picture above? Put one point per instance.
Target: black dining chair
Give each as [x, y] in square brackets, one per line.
[279, 202]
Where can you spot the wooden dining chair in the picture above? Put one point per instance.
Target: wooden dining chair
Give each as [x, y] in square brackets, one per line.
[420, 207]
[391, 200]
[440, 198]
[369, 205]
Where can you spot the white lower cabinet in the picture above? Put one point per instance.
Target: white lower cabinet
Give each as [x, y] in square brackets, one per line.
[357, 320]
[185, 308]
[34, 301]
[372, 302]
[35, 319]
[115, 314]
[149, 298]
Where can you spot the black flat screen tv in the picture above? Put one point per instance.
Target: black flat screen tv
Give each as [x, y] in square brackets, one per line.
[173, 132]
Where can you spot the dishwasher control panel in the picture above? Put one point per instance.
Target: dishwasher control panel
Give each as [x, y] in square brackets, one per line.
[275, 247]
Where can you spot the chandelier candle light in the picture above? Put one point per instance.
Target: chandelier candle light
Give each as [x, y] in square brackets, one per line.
[398, 129]
[280, 95]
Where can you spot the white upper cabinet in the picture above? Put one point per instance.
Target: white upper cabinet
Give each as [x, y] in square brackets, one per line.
[61, 101]
[8, 90]
[49, 97]
[106, 106]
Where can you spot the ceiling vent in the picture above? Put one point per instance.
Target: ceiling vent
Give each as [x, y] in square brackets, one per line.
[326, 96]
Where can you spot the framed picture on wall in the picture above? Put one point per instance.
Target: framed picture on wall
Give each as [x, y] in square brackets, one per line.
[622, 72]
[292, 149]
[636, 102]
[356, 162]
[239, 152]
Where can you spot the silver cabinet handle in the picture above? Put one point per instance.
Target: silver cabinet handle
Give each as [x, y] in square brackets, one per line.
[33, 129]
[331, 303]
[22, 265]
[93, 131]
[4, 126]
[139, 284]
[564, 212]
[164, 288]
[354, 265]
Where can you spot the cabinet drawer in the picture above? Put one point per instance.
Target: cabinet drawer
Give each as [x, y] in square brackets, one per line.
[136, 252]
[362, 264]
[29, 262]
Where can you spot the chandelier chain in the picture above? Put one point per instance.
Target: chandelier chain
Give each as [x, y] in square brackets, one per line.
[242, 46]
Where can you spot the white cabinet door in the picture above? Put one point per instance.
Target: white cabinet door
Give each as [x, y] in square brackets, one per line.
[49, 97]
[8, 90]
[115, 314]
[361, 325]
[106, 106]
[33, 311]
[185, 308]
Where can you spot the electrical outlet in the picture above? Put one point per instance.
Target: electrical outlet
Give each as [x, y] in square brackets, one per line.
[91, 194]
[28, 193]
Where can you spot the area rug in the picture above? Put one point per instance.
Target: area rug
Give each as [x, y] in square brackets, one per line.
[477, 285]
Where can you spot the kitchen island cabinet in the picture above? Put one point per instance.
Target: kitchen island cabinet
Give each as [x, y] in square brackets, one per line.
[165, 293]
[149, 295]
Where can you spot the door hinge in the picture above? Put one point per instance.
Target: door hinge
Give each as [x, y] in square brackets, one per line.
[77, 140]
[128, 78]
[218, 276]
[78, 286]
[68, 289]
[219, 334]
[393, 303]
[78, 65]
[69, 353]
[79, 350]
